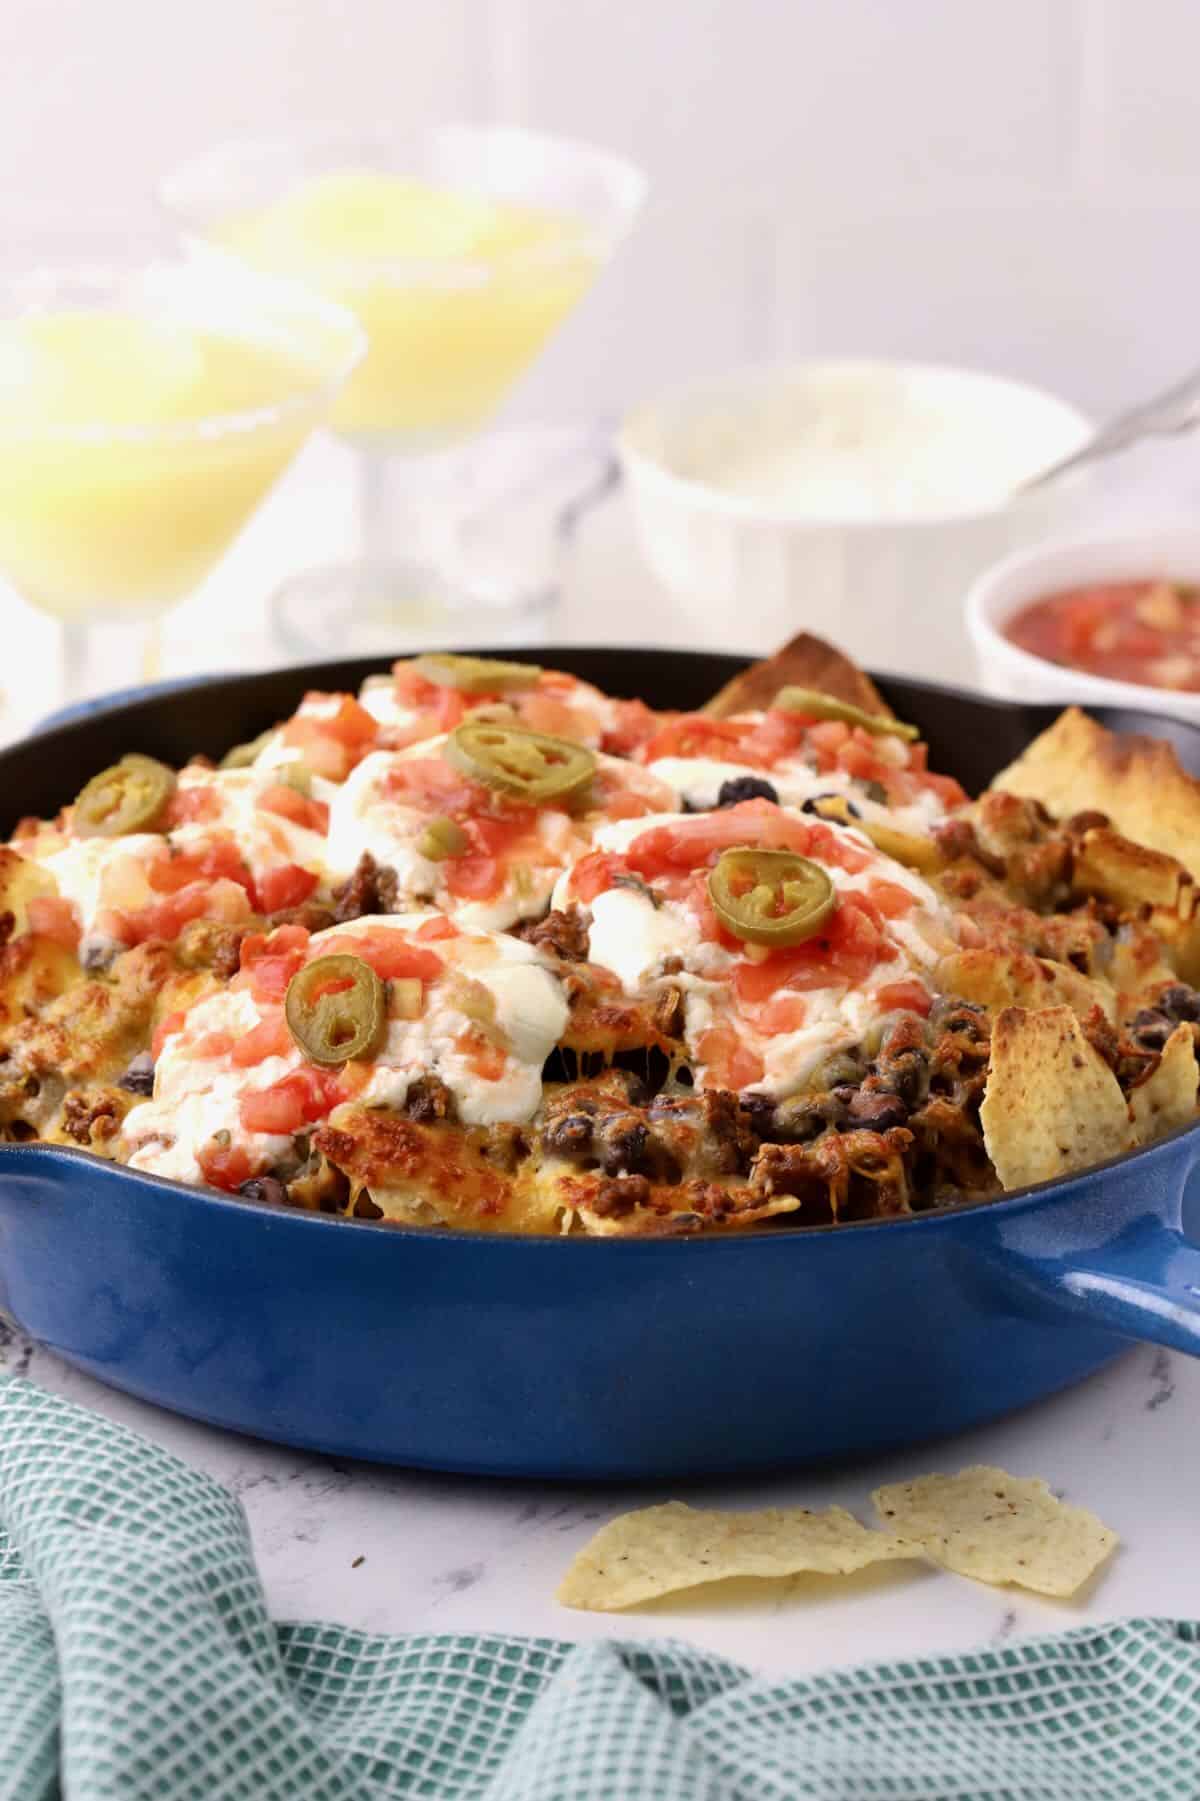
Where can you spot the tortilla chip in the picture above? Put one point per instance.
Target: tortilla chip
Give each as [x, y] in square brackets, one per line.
[1167, 1098]
[804, 662]
[1115, 868]
[1052, 1104]
[1079, 766]
[997, 979]
[656, 1550]
[999, 1528]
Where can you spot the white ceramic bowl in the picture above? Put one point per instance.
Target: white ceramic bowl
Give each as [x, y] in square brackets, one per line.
[887, 589]
[1147, 552]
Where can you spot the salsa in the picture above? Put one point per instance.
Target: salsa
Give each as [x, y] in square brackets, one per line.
[1147, 632]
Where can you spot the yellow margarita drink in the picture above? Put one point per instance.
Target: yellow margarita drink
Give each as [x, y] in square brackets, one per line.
[457, 291]
[133, 449]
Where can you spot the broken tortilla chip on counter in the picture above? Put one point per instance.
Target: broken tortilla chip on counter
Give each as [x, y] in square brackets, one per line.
[982, 1523]
[657, 1550]
[999, 1529]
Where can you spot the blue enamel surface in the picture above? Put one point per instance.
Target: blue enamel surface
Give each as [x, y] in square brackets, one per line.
[593, 1358]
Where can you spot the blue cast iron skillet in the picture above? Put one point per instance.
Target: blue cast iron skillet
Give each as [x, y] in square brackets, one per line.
[578, 1357]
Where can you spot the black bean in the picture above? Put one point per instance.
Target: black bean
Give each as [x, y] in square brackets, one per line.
[877, 1110]
[264, 1188]
[745, 787]
[1151, 1029]
[570, 1136]
[622, 1145]
[139, 1077]
[903, 1074]
[1179, 1002]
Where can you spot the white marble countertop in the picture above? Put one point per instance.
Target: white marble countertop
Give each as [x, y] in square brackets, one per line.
[391, 1550]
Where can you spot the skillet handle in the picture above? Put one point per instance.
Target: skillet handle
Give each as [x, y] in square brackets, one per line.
[1145, 1283]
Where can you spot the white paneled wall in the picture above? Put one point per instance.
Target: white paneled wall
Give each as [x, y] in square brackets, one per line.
[1014, 183]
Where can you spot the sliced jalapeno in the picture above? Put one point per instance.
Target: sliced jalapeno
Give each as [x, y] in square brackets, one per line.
[335, 1008]
[904, 847]
[476, 675]
[129, 797]
[771, 897]
[242, 755]
[530, 766]
[824, 706]
[442, 838]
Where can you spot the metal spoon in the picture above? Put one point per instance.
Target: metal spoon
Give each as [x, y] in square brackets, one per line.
[1175, 410]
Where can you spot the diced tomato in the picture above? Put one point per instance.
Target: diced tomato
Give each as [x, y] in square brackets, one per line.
[891, 900]
[212, 1044]
[860, 759]
[698, 841]
[542, 712]
[904, 997]
[269, 1038]
[286, 887]
[333, 743]
[412, 689]
[188, 806]
[596, 873]
[730, 1062]
[951, 793]
[634, 724]
[844, 953]
[474, 878]
[784, 1012]
[52, 917]
[269, 963]
[484, 1059]
[778, 734]
[294, 1101]
[695, 735]
[351, 725]
[224, 1166]
[431, 786]
[289, 803]
[391, 953]
[166, 1027]
[450, 708]
[435, 929]
[219, 859]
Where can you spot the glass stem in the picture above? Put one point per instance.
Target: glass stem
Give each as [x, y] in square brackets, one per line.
[106, 656]
[374, 535]
[75, 661]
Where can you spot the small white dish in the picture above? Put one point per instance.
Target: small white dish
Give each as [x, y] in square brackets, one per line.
[1167, 552]
[773, 547]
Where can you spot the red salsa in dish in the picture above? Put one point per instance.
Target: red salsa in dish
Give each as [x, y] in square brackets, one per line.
[1147, 632]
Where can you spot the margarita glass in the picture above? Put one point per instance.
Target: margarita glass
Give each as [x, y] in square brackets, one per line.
[460, 249]
[146, 407]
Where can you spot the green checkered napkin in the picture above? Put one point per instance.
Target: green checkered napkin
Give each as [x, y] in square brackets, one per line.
[137, 1660]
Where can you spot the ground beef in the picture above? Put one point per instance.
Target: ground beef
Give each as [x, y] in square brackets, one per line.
[92, 1119]
[428, 1099]
[616, 1198]
[373, 888]
[668, 1012]
[563, 934]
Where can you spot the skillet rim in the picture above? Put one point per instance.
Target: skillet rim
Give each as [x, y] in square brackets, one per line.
[60, 730]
